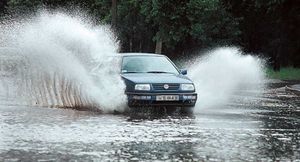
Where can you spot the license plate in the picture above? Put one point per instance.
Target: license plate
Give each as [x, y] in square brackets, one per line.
[167, 98]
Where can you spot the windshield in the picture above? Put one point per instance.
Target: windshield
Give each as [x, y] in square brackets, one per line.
[147, 64]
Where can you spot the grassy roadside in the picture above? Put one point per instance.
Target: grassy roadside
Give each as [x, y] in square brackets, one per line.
[287, 73]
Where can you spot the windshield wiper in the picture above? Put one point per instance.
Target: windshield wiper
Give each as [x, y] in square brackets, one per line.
[130, 72]
[147, 72]
[157, 72]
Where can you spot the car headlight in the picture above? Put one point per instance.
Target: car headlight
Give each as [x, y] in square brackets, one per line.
[142, 87]
[187, 87]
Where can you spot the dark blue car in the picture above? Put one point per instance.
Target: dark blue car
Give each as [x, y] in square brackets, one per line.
[153, 80]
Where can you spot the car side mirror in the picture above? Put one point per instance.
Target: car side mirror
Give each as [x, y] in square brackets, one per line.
[183, 71]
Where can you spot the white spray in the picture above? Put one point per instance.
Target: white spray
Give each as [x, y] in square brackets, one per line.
[58, 60]
[222, 71]
[63, 61]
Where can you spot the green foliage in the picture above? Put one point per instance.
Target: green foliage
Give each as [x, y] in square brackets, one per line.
[100, 9]
[211, 24]
[288, 73]
[140, 23]
[270, 28]
[134, 32]
[23, 6]
[168, 18]
[203, 22]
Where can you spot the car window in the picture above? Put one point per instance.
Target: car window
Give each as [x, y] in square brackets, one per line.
[147, 64]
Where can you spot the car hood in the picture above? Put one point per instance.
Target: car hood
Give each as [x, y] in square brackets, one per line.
[155, 78]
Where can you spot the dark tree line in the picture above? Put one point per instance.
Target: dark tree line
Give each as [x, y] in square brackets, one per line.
[271, 28]
[181, 27]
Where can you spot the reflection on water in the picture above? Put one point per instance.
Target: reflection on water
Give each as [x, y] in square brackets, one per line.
[265, 128]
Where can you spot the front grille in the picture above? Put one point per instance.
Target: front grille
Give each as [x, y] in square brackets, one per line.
[160, 87]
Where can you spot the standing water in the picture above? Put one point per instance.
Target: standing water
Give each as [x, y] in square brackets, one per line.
[56, 60]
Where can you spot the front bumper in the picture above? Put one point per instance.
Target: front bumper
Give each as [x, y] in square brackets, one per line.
[149, 99]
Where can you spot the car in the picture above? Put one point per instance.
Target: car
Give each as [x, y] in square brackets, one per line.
[153, 80]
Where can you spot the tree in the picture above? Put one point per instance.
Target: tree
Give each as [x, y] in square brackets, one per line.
[173, 27]
[184, 25]
[269, 27]
[3, 4]
[114, 13]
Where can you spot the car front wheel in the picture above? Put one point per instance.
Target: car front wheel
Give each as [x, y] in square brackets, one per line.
[187, 110]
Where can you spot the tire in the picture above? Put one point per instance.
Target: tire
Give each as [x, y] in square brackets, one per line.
[187, 110]
[170, 110]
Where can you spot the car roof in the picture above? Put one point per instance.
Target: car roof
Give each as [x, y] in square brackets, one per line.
[139, 54]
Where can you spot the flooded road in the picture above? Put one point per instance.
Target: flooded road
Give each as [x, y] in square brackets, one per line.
[250, 128]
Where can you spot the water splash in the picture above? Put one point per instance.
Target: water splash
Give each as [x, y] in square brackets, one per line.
[58, 60]
[221, 72]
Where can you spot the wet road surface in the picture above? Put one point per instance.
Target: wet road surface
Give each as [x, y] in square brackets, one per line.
[250, 128]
